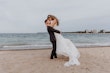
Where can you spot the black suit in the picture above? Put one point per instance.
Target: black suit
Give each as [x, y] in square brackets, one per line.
[51, 31]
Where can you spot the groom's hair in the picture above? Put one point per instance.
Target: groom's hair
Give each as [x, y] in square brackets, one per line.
[53, 17]
[45, 21]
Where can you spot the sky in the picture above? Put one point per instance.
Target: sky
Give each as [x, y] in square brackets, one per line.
[27, 16]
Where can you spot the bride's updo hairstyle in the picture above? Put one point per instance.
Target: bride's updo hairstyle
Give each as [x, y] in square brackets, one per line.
[53, 17]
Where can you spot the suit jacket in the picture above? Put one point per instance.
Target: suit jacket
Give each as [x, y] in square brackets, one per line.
[51, 31]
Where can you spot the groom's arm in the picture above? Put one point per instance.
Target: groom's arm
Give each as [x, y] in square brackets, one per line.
[54, 30]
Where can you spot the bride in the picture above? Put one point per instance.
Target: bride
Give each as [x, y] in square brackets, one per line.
[65, 46]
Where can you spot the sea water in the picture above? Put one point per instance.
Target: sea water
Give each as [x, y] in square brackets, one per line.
[16, 41]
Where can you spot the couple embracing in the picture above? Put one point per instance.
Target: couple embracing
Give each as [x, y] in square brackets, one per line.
[61, 45]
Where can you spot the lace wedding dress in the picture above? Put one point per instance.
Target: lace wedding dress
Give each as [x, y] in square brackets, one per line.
[67, 48]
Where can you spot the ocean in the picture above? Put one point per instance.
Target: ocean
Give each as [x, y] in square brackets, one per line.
[22, 41]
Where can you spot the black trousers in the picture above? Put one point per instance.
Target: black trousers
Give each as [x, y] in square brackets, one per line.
[53, 53]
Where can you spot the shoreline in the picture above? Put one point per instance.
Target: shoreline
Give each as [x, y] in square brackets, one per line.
[49, 48]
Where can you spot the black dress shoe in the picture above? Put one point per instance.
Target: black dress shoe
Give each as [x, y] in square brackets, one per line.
[55, 55]
[51, 57]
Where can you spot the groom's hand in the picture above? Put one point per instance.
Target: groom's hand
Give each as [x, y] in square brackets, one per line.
[60, 32]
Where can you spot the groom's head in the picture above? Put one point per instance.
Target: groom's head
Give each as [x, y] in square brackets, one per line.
[47, 22]
[54, 19]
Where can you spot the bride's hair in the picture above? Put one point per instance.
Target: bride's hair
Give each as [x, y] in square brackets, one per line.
[53, 17]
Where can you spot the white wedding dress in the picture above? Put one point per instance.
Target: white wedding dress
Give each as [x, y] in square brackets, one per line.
[67, 48]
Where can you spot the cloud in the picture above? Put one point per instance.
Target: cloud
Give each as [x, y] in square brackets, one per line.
[28, 16]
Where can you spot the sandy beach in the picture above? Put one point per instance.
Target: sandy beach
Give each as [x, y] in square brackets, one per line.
[93, 60]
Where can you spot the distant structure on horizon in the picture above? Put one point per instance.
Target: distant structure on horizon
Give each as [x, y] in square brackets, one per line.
[90, 31]
[102, 31]
[94, 31]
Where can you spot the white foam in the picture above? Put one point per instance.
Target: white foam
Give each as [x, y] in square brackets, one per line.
[43, 46]
[25, 47]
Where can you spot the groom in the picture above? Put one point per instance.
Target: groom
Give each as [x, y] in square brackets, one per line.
[50, 23]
